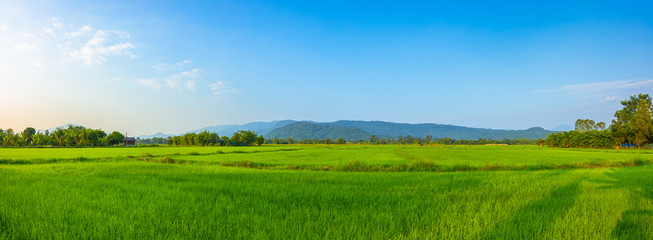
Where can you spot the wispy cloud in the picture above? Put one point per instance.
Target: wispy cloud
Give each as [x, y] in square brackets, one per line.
[55, 42]
[185, 80]
[56, 23]
[599, 87]
[101, 45]
[83, 30]
[604, 92]
[220, 88]
[609, 99]
[162, 67]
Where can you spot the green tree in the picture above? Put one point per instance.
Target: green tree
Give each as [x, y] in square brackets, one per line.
[7, 137]
[373, 139]
[622, 125]
[27, 134]
[225, 141]
[600, 126]
[95, 136]
[58, 136]
[260, 140]
[641, 123]
[38, 139]
[115, 138]
[586, 125]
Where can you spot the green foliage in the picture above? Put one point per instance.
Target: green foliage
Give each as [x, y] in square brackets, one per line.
[26, 135]
[637, 110]
[642, 124]
[578, 139]
[243, 138]
[115, 138]
[260, 140]
[633, 123]
[585, 125]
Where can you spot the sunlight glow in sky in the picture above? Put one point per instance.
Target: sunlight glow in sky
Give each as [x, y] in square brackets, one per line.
[148, 66]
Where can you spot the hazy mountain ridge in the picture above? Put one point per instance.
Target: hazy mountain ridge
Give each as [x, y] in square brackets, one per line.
[393, 130]
[351, 130]
[306, 130]
[354, 130]
[262, 128]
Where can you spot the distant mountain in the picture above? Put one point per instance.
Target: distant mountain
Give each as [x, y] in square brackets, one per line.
[62, 126]
[393, 130]
[262, 128]
[158, 135]
[352, 130]
[306, 130]
[563, 128]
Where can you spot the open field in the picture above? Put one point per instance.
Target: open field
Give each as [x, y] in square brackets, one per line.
[339, 192]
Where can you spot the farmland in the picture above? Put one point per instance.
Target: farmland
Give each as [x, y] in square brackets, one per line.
[326, 192]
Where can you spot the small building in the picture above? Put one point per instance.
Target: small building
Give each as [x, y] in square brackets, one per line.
[130, 141]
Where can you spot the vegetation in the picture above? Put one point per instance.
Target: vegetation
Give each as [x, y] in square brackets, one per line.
[189, 192]
[631, 126]
[78, 136]
[73, 136]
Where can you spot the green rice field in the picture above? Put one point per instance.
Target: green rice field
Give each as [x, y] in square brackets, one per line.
[326, 192]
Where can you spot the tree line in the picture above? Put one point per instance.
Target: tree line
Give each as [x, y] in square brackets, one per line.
[79, 136]
[406, 141]
[632, 126]
[206, 138]
[72, 136]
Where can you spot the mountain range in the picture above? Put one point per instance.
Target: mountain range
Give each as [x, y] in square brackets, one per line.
[354, 130]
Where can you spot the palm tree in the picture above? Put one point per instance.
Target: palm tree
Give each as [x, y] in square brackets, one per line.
[58, 136]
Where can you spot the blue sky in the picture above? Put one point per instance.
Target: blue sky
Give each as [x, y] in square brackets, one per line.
[142, 67]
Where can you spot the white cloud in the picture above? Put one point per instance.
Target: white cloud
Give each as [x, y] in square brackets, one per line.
[179, 81]
[583, 104]
[593, 88]
[609, 99]
[84, 30]
[220, 88]
[190, 85]
[161, 67]
[23, 46]
[192, 73]
[53, 43]
[96, 49]
[56, 23]
[150, 82]
[604, 92]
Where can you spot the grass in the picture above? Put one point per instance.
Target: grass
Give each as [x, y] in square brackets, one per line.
[131, 193]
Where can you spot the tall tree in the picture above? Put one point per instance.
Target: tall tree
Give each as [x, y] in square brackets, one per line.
[115, 138]
[58, 136]
[2, 136]
[260, 140]
[642, 125]
[7, 136]
[622, 126]
[27, 134]
[373, 139]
